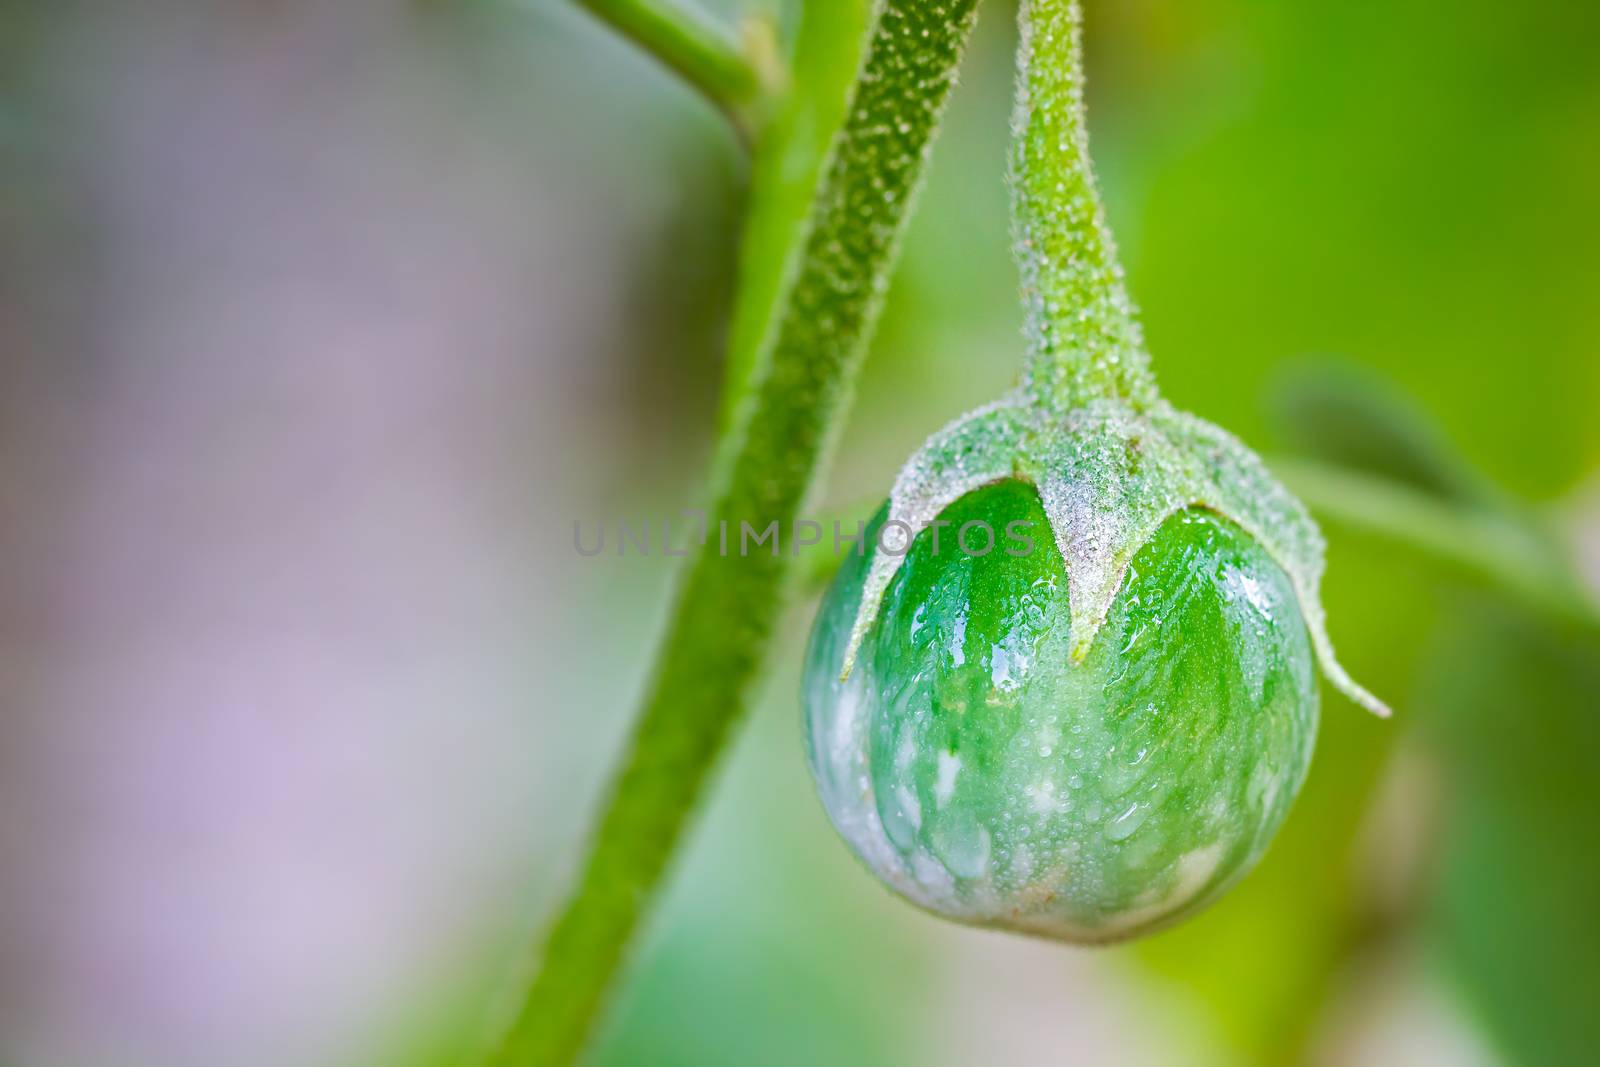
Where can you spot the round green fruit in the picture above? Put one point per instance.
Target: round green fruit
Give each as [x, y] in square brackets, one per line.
[983, 775]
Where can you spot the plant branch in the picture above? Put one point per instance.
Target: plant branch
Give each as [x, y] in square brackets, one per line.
[723, 619]
[785, 168]
[1502, 549]
[731, 75]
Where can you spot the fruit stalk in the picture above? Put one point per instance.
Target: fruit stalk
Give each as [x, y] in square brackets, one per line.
[1083, 336]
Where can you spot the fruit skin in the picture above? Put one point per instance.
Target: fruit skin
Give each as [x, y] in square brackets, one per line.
[983, 776]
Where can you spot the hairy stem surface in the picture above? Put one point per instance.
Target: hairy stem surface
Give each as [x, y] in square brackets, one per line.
[723, 619]
[1084, 341]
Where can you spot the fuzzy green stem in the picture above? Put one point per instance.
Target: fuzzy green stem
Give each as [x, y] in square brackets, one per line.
[722, 622]
[1084, 341]
[703, 53]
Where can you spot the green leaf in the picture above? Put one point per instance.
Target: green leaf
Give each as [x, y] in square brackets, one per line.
[1356, 419]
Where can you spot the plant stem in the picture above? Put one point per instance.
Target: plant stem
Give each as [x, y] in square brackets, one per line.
[718, 634]
[1499, 548]
[785, 168]
[1084, 340]
[704, 54]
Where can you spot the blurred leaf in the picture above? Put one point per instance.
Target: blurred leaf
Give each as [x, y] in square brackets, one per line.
[1352, 417]
[1385, 466]
[1514, 709]
[1417, 208]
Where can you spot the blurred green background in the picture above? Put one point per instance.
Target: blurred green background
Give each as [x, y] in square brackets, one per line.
[321, 324]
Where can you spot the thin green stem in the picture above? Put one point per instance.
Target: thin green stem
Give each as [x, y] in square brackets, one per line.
[1501, 549]
[722, 622]
[704, 54]
[786, 164]
[1084, 341]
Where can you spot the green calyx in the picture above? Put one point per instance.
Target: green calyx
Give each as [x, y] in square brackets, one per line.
[1109, 477]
